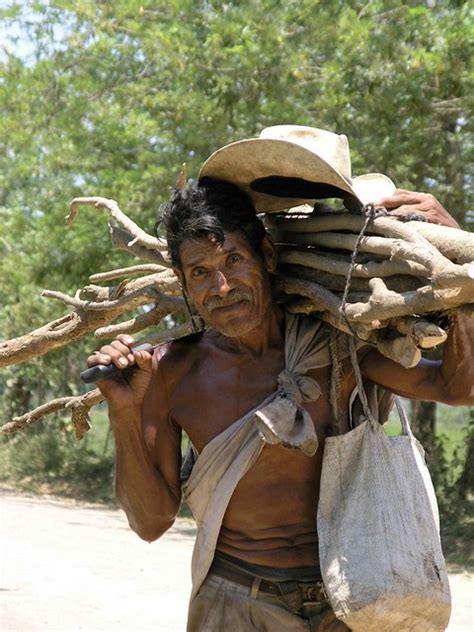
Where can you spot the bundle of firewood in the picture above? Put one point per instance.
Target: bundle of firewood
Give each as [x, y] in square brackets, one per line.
[404, 279]
[388, 282]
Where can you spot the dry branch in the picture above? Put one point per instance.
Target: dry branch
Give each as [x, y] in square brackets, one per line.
[337, 282]
[123, 240]
[130, 271]
[383, 303]
[332, 265]
[408, 268]
[79, 405]
[57, 333]
[387, 304]
[454, 243]
[90, 316]
[405, 349]
[96, 308]
[407, 276]
[139, 236]
[142, 321]
[424, 333]
[421, 253]
[129, 294]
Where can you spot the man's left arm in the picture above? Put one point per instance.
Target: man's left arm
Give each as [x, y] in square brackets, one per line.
[450, 380]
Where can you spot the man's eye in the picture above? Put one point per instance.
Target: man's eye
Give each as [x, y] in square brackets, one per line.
[233, 258]
[199, 272]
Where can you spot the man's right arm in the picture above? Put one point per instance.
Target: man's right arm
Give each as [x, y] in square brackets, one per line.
[148, 444]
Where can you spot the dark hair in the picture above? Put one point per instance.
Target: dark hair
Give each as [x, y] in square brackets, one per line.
[209, 207]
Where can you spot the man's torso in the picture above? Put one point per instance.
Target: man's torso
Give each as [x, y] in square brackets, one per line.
[271, 517]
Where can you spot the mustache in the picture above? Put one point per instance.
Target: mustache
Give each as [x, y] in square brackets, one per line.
[234, 296]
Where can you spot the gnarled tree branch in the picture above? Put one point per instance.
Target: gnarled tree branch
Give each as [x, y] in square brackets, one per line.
[139, 236]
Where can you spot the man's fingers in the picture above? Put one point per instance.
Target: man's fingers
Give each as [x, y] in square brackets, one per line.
[143, 360]
[121, 350]
[116, 353]
[400, 198]
[98, 358]
[126, 339]
[405, 203]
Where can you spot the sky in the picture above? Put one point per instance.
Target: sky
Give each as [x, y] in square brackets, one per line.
[14, 36]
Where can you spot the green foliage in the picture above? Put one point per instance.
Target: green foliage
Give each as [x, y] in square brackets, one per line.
[451, 468]
[448, 463]
[48, 458]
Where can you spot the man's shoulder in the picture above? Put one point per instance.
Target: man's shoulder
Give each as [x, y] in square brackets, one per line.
[181, 351]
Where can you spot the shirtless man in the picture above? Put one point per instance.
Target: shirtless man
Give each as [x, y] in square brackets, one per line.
[265, 573]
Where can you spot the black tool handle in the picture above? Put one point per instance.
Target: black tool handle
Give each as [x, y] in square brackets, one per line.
[103, 371]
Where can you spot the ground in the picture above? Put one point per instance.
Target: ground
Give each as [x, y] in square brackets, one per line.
[68, 567]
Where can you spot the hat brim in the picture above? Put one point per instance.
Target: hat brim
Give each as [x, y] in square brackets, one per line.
[278, 174]
[247, 161]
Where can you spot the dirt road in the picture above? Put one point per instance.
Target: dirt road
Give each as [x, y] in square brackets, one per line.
[67, 567]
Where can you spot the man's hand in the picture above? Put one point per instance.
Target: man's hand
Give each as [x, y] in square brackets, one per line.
[412, 203]
[123, 392]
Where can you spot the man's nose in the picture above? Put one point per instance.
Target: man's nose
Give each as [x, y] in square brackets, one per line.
[221, 283]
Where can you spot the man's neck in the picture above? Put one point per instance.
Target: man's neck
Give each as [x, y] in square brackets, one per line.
[270, 334]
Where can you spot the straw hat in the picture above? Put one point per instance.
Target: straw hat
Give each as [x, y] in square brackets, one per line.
[289, 165]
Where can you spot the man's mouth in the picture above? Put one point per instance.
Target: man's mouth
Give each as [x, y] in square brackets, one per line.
[235, 299]
[226, 306]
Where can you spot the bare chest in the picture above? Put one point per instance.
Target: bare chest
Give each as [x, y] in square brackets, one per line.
[215, 394]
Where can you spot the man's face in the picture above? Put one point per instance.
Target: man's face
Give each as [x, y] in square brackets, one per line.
[228, 283]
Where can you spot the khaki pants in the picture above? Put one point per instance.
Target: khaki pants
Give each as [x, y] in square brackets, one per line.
[225, 606]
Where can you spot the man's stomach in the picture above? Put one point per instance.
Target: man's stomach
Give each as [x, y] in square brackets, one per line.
[271, 517]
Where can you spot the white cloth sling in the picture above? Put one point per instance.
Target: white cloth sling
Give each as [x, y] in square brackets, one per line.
[280, 418]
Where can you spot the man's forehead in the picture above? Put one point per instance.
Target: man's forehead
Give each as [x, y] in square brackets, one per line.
[194, 250]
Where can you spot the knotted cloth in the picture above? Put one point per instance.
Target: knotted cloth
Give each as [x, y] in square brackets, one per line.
[283, 419]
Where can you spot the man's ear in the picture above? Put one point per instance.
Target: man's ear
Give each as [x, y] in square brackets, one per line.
[182, 281]
[269, 253]
[180, 275]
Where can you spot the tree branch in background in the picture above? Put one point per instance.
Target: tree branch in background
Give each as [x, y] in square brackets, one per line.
[79, 405]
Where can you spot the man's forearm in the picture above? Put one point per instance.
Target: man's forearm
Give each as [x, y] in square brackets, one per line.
[147, 499]
[457, 369]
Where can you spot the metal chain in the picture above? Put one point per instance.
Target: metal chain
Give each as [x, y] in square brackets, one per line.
[370, 213]
[197, 322]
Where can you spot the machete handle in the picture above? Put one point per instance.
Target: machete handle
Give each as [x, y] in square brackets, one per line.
[106, 371]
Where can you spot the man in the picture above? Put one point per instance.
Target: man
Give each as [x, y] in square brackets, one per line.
[255, 485]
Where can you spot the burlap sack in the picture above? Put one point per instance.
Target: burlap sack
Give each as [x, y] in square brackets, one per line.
[378, 526]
